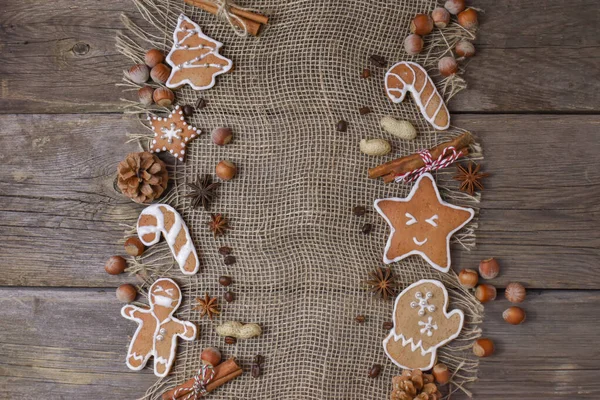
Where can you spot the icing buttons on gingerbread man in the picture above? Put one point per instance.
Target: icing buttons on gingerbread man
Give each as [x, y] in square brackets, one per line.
[157, 330]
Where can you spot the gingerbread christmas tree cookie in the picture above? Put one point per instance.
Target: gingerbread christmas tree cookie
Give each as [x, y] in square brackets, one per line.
[422, 323]
[172, 133]
[194, 57]
[157, 330]
[422, 224]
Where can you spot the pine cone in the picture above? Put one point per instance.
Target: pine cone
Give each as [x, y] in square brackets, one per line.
[414, 385]
[142, 177]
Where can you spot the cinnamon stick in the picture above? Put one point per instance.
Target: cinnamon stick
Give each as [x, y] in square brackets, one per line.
[414, 161]
[392, 175]
[224, 373]
[251, 26]
[261, 19]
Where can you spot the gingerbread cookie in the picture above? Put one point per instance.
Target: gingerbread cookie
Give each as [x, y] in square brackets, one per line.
[194, 57]
[158, 330]
[421, 325]
[172, 133]
[162, 218]
[422, 224]
[410, 77]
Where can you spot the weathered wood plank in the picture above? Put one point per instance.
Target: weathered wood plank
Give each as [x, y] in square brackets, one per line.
[60, 217]
[531, 58]
[543, 358]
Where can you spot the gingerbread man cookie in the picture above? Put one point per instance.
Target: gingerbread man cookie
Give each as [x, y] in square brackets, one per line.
[421, 325]
[172, 133]
[422, 224]
[194, 57]
[158, 330]
[162, 218]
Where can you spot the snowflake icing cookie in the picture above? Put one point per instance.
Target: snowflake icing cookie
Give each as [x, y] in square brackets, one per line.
[421, 325]
[422, 224]
[172, 133]
[157, 330]
[194, 57]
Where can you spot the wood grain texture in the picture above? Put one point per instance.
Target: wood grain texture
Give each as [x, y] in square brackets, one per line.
[60, 57]
[60, 217]
[533, 360]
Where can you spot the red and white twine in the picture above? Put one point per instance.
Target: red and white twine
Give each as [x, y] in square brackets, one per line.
[204, 376]
[430, 164]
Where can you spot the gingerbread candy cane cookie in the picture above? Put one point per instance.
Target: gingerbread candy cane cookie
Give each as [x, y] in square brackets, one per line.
[162, 218]
[410, 77]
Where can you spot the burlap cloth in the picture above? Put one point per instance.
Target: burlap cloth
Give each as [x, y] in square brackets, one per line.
[301, 256]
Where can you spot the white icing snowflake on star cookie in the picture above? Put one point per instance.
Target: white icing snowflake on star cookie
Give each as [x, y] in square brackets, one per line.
[172, 133]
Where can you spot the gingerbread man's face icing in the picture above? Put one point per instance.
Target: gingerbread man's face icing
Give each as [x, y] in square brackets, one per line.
[164, 297]
[422, 224]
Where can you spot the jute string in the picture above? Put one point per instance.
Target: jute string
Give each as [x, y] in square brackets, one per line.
[301, 257]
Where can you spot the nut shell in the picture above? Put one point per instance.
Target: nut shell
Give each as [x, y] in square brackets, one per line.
[514, 315]
[464, 48]
[211, 356]
[441, 17]
[399, 128]
[221, 136]
[115, 265]
[134, 247]
[485, 293]
[489, 269]
[160, 73]
[483, 347]
[154, 57]
[163, 97]
[422, 24]
[375, 147]
[447, 66]
[454, 6]
[413, 44]
[441, 373]
[126, 293]
[226, 170]
[468, 278]
[139, 73]
[515, 292]
[145, 95]
[468, 19]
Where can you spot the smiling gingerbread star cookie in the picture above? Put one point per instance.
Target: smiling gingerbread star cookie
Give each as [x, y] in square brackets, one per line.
[422, 224]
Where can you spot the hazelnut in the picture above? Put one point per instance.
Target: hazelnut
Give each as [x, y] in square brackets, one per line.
[126, 293]
[226, 170]
[139, 73]
[134, 247]
[468, 278]
[154, 57]
[441, 17]
[489, 269]
[222, 136]
[514, 315]
[468, 19]
[115, 265]
[163, 97]
[422, 24]
[441, 373]
[210, 356]
[413, 44]
[454, 6]
[485, 293]
[515, 292]
[225, 280]
[447, 66]
[483, 347]
[464, 48]
[145, 95]
[160, 73]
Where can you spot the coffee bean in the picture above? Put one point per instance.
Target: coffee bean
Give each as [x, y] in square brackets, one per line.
[229, 297]
[375, 371]
[200, 103]
[360, 319]
[366, 73]
[364, 110]
[255, 370]
[229, 260]
[378, 60]
[225, 280]
[387, 325]
[366, 229]
[258, 359]
[187, 110]
[224, 251]
[342, 126]
[230, 340]
[359, 211]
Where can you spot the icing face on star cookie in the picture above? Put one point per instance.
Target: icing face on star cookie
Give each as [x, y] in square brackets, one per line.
[422, 224]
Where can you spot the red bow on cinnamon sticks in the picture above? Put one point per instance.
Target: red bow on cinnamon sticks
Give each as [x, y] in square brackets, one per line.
[438, 157]
[205, 381]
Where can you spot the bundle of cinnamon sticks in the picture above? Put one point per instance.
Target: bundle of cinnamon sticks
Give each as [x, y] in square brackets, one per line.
[224, 373]
[251, 21]
[401, 165]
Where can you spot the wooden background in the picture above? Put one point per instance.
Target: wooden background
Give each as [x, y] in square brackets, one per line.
[532, 99]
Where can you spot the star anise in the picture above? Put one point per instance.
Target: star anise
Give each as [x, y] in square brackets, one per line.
[203, 191]
[218, 224]
[470, 177]
[207, 306]
[383, 283]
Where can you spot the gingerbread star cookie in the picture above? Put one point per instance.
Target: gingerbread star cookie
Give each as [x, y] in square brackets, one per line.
[422, 323]
[172, 134]
[422, 224]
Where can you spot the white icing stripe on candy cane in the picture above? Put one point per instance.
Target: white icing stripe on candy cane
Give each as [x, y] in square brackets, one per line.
[184, 252]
